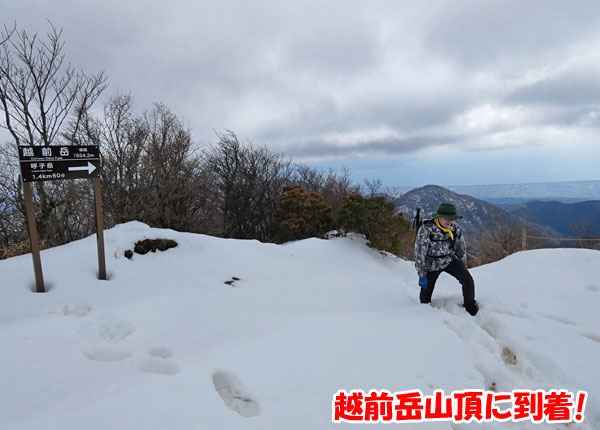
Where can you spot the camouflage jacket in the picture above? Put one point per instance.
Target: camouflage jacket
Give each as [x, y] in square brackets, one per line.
[435, 250]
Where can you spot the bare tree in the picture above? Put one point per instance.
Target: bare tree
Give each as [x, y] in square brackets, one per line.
[39, 91]
[151, 172]
[373, 187]
[249, 181]
[12, 220]
[169, 172]
[122, 136]
[333, 186]
[310, 179]
[337, 187]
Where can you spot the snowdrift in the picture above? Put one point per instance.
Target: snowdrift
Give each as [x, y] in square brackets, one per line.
[227, 334]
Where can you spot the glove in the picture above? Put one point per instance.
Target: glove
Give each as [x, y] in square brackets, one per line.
[423, 282]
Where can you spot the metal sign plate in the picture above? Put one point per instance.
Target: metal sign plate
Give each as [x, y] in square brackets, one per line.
[46, 163]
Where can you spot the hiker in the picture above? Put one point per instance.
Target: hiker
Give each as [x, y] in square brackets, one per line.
[440, 247]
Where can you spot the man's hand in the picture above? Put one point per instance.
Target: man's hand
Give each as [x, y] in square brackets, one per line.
[423, 282]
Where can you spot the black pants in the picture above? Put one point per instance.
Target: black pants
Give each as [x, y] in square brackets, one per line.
[458, 270]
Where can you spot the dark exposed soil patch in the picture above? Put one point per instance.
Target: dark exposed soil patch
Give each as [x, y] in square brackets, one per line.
[151, 245]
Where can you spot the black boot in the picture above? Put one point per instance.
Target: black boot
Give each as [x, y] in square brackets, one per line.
[472, 308]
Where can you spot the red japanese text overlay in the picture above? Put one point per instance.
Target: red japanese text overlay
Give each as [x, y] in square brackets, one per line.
[554, 406]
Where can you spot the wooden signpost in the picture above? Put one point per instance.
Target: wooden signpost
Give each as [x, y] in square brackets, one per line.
[46, 163]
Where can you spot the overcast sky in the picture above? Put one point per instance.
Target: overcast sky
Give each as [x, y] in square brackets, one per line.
[410, 92]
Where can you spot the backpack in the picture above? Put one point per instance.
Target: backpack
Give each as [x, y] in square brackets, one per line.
[417, 221]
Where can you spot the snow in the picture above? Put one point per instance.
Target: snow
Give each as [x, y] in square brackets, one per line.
[166, 344]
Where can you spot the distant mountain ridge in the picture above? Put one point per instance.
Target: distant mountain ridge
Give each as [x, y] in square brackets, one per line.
[564, 192]
[506, 202]
[478, 214]
[561, 216]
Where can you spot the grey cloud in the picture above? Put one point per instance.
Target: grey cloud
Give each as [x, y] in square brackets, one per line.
[317, 148]
[332, 48]
[299, 75]
[398, 115]
[580, 87]
[488, 33]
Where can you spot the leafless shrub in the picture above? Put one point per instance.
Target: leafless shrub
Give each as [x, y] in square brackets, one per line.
[497, 241]
[18, 248]
[585, 239]
[248, 181]
[333, 186]
[372, 187]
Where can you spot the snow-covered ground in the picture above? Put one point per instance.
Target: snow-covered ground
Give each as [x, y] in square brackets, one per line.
[165, 343]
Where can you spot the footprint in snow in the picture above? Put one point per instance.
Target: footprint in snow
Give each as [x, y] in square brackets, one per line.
[105, 328]
[160, 352]
[101, 338]
[157, 362]
[233, 395]
[79, 310]
[101, 353]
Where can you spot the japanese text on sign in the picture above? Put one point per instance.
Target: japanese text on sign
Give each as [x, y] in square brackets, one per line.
[41, 163]
[538, 406]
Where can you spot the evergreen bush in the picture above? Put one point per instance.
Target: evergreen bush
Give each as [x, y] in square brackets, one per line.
[374, 218]
[300, 215]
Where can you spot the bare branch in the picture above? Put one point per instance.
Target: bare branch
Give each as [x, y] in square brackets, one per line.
[40, 93]
[7, 33]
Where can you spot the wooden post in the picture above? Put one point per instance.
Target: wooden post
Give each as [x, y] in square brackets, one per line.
[99, 229]
[33, 238]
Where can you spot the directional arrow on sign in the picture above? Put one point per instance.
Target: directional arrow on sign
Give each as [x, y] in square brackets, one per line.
[48, 163]
[90, 168]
